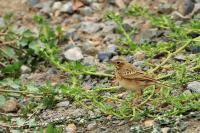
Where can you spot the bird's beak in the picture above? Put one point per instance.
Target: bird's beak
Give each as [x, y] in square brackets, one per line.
[111, 61]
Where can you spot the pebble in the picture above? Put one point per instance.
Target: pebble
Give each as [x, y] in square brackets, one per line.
[71, 128]
[10, 105]
[187, 92]
[86, 11]
[2, 23]
[165, 8]
[149, 123]
[112, 48]
[46, 6]
[92, 126]
[109, 26]
[97, 6]
[25, 69]
[165, 130]
[186, 7]
[57, 5]
[193, 49]
[139, 56]
[89, 60]
[89, 49]
[63, 104]
[120, 4]
[78, 112]
[180, 57]
[147, 35]
[73, 54]
[90, 27]
[194, 86]
[32, 2]
[67, 7]
[71, 33]
[139, 64]
[104, 56]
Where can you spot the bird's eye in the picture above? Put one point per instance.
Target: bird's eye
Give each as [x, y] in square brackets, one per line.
[118, 62]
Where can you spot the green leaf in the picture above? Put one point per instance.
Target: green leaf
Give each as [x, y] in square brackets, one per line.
[10, 52]
[32, 88]
[12, 68]
[20, 121]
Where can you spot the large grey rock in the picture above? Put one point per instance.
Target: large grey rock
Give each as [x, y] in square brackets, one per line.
[90, 27]
[194, 86]
[73, 54]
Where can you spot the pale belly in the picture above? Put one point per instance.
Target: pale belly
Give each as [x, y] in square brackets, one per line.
[130, 84]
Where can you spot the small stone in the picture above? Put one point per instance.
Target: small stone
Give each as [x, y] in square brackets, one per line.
[120, 4]
[139, 64]
[89, 60]
[187, 92]
[2, 23]
[180, 57]
[71, 33]
[63, 104]
[57, 5]
[104, 56]
[194, 86]
[139, 56]
[10, 106]
[71, 128]
[165, 130]
[85, 11]
[89, 49]
[25, 69]
[87, 2]
[112, 48]
[92, 126]
[149, 123]
[147, 35]
[97, 6]
[165, 8]
[73, 54]
[109, 26]
[67, 7]
[186, 7]
[90, 27]
[78, 112]
[194, 49]
[32, 2]
[46, 6]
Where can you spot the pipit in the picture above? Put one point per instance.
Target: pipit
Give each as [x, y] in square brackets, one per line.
[132, 78]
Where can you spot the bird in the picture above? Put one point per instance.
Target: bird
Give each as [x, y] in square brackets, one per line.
[130, 77]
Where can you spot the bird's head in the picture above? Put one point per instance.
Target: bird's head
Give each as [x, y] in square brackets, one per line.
[119, 62]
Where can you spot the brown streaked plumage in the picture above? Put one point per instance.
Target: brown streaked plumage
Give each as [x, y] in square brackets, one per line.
[130, 77]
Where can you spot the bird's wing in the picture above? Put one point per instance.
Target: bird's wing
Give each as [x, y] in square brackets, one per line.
[135, 74]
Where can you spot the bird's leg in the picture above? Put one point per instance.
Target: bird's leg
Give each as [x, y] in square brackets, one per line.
[136, 100]
[157, 88]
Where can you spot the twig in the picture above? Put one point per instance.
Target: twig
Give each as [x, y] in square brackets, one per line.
[9, 114]
[21, 92]
[147, 98]
[10, 126]
[170, 55]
